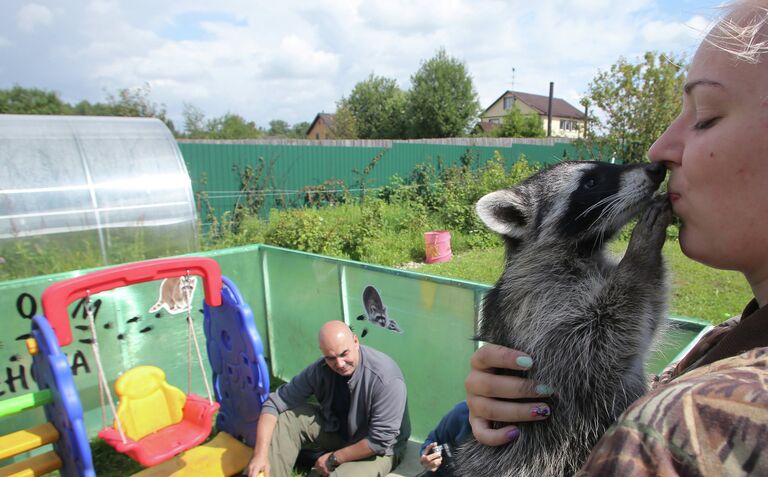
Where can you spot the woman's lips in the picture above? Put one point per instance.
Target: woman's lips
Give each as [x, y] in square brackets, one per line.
[673, 196]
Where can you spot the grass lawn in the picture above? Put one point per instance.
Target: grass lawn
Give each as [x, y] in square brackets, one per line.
[697, 291]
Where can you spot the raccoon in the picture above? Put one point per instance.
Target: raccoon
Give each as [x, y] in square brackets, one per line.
[587, 321]
[172, 295]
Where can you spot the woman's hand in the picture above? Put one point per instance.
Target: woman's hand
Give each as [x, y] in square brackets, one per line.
[431, 461]
[488, 392]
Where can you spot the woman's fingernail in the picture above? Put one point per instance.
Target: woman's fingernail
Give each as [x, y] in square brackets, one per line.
[513, 434]
[540, 411]
[543, 390]
[524, 362]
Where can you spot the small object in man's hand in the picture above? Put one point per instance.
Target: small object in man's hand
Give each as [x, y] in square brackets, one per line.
[443, 449]
[332, 463]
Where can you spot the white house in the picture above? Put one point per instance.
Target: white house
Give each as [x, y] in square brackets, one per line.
[567, 121]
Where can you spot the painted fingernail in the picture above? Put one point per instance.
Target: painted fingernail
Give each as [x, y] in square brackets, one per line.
[524, 362]
[543, 390]
[540, 411]
[513, 434]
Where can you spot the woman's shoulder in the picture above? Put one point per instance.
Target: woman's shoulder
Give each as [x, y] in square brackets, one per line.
[709, 421]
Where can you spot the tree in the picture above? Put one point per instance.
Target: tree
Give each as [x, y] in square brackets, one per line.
[517, 124]
[378, 106]
[135, 102]
[344, 122]
[299, 130]
[442, 101]
[18, 100]
[86, 108]
[639, 101]
[232, 126]
[278, 127]
[194, 122]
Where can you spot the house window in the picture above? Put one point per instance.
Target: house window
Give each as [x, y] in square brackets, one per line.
[509, 102]
[494, 121]
[568, 125]
[317, 135]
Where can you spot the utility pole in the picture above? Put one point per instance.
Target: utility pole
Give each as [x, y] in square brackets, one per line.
[549, 108]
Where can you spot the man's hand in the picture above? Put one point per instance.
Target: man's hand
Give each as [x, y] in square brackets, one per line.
[258, 467]
[429, 460]
[321, 465]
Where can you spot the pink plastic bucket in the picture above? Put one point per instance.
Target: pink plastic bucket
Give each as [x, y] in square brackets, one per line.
[438, 246]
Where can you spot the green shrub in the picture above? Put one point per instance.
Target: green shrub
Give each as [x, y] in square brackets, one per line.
[307, 230]
[386, 229]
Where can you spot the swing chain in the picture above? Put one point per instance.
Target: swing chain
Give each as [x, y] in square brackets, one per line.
[88, 306]
[187, 287]
[101, 376]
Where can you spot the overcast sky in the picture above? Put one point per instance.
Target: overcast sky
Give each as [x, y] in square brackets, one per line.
[290, 59]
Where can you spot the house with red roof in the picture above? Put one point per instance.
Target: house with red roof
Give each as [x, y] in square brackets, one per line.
[567, 120]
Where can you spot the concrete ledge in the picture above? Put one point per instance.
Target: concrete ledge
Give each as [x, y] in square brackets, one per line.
[410, 466]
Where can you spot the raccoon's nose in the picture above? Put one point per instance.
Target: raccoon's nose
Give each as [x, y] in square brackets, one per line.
[656, 172]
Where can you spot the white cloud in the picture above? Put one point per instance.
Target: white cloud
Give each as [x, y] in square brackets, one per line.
[291, 59]
[102, 7]
[699, 25]
[296, 57]
[660, 32]
[413, 15]
[32, 16]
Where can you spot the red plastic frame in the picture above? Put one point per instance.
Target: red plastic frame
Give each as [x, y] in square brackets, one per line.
[57, 297]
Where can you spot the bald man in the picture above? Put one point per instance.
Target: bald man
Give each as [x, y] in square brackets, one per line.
[361, 423]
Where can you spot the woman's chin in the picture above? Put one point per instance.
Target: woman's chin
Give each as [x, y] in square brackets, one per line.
[699, 250]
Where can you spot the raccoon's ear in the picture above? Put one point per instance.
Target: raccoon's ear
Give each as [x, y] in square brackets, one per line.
[504, 212]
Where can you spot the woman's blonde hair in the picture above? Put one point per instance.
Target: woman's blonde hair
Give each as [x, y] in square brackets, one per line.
[743, 30]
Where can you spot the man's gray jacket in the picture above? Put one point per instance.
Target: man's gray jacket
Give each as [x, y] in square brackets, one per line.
[377, 403]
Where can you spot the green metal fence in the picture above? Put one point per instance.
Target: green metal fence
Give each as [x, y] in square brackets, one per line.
[283, 171]
[291, 293]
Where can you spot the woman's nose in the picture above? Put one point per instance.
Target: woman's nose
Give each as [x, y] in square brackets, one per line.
[668, 148]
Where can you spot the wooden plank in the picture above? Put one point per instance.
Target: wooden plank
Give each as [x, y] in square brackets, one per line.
[33, 467]
[22, 441]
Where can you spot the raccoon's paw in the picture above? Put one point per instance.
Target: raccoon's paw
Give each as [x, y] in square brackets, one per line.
[651, 229]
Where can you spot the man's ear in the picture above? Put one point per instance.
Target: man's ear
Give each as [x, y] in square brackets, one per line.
[505, 212]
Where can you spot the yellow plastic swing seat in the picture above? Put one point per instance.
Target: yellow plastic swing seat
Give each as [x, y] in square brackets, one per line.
[158, 419]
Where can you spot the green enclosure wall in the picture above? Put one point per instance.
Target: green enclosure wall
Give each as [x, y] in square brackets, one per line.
[216, 168]
[291, 294]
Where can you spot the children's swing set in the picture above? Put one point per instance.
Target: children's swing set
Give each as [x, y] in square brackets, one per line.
[154, 423]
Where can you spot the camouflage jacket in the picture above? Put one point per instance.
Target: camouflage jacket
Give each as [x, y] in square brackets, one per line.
[705, 416]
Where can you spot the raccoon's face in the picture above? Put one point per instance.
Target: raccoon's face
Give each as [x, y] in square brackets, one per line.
[584, 202]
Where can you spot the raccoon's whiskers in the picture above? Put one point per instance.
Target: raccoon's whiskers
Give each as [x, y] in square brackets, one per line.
[596, 204]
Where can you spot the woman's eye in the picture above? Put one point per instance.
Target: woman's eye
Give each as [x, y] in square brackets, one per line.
[705, 123]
